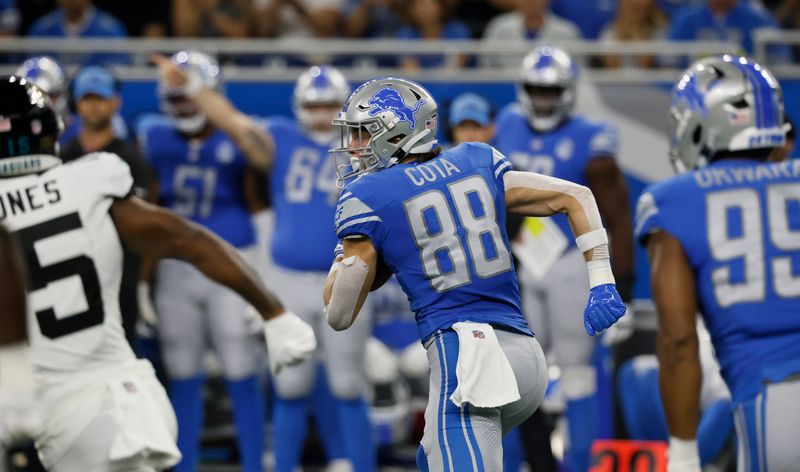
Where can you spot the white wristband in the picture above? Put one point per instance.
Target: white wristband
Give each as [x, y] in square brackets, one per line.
[600, 273]
[591, 240]
[683, 455]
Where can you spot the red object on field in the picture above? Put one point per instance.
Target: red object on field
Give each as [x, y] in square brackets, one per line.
[617, 455]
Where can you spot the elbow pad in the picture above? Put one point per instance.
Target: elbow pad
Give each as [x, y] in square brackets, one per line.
[351, 273]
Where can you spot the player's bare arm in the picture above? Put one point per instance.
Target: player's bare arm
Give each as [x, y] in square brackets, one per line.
[608, 184]
[154, 232]
[256, 144]
[349, 282]
[12, 292]
[673, 285]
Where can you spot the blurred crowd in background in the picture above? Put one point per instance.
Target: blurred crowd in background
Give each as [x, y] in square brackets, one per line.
[413, 20]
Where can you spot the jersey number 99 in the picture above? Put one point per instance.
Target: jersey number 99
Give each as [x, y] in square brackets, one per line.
[748, 244]
[436, 234]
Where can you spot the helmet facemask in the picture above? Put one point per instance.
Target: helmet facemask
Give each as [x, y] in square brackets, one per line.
[356, 154]
[182, 110]
[547, 105]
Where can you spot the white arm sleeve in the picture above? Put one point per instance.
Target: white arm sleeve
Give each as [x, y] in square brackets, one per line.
[351, 273]
[584, 196]
[599, 267]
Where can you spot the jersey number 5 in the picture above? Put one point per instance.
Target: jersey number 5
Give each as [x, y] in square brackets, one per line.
[748, 242]
[40, 276]
[436, 234]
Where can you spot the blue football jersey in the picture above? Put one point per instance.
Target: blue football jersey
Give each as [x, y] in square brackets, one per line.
[440, 228]
[304, 193]
[739, 223]
[563, 152]
[201, 180]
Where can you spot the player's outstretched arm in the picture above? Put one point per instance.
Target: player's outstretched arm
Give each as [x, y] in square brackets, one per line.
[12, 292]
[532, 194]
[256, 144]
[677, 348]
[349, 282]
[154, 232]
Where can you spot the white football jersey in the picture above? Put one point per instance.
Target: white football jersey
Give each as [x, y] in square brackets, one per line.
[74, 262]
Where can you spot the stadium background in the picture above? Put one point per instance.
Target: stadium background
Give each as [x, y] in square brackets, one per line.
[634, 99]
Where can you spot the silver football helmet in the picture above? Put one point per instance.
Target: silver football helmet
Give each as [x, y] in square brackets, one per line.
[546, 87]
[383, 121]
[180, 108]
[723, 103]
[319, 86]
[47, 74]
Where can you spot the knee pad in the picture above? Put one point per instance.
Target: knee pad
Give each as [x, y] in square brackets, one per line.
[347, 384]
[380, 362]
[181, 362]
[238, 357]
[414, 362]
[293, 383]
[578, 381]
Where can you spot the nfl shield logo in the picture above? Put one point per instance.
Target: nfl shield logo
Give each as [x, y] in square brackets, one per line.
[36, 127]
[478, 334]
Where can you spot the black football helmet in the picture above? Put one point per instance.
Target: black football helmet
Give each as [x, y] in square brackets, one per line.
[29, 128]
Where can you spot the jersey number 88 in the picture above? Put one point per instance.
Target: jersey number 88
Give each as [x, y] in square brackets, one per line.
[436, 234]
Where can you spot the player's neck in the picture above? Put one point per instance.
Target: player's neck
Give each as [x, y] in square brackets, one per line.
[96, 140]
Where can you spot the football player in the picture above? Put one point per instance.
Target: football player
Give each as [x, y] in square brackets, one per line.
[540, 133]
[201, 162]
[103, 409]
[723, 237]
[437, 221]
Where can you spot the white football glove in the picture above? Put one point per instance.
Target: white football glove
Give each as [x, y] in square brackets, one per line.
[290, 340]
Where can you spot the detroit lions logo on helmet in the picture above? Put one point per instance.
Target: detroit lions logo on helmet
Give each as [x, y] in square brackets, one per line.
[388, 99]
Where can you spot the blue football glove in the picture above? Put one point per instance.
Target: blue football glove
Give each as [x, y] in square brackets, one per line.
[603, 309]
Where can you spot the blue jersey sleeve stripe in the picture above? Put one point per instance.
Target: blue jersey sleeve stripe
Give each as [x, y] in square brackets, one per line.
[498, 157]
[356, 216]
[500, 169]
[646, 216]
[350, 223]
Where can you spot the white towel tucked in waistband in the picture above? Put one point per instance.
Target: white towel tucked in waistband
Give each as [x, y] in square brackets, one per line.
[485, 377]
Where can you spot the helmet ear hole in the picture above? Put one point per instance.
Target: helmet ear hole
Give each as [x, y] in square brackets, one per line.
[697, 134]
